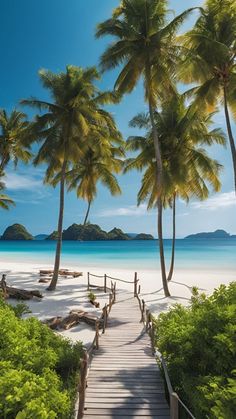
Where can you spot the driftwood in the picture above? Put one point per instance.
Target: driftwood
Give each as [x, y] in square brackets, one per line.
[19, 294]
[62, 272]
[74, 318]
[44, 280]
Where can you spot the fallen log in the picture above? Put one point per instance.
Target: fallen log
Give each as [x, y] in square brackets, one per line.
[73, 318]
[62, 272]
[20, 294]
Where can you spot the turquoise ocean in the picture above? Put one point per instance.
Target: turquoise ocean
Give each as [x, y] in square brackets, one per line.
[190, 254]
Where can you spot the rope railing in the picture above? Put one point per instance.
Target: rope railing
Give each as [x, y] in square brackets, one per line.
[87, 355]
[175, 401]
[106, 277]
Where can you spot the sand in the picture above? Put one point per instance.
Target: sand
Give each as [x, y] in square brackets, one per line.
[72, 293]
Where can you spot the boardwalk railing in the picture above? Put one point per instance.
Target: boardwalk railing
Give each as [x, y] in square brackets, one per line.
[105, 277]
[87, 355]
[176, 404]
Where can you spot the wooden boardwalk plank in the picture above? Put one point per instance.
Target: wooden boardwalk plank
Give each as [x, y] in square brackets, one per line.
[124, 379]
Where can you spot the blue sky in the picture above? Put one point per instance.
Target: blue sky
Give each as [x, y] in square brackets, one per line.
[51, 34]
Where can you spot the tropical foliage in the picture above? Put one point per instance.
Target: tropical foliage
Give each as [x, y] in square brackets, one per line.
[14, 135]
[39, 370]
[210, 61]
[188, 171]
[145, 47]
[198, 343]
[64, 127]
[93, 167]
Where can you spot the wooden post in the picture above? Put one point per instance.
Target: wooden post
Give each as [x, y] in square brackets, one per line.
[97, 334]
[174, 406]
[88, 287]
[135, 283]
[83, 384]
[110, 302]
[114, 289]
[147, 319]
[105, 283]
[139, 289]
[104, 318]
[143, 311]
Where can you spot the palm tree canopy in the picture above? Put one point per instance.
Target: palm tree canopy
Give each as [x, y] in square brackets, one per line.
[210, 58]
[92, 168]
[144, 45]
[14, 136]
[5, 200]
[187, 168]
[76, 110]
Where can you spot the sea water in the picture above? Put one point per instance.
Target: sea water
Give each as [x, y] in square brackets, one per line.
[190, 254]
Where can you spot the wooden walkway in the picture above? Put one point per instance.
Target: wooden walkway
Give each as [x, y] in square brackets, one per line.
[124, 379]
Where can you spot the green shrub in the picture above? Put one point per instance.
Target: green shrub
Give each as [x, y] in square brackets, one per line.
[38, 369]
[198, 343]
[91, 296]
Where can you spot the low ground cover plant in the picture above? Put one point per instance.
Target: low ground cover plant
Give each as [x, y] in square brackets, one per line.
[199, 345]
[39, 370]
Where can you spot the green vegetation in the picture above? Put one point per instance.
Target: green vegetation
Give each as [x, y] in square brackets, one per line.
[91, 296]
[198, 343]
[16, 232]
[188, 170]
[73, 122]
[209, 61]
[38, 369]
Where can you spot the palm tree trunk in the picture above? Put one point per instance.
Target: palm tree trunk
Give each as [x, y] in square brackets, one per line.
[87, 213]
[173, 241]
[230, 134]
[53, 283]
[159, 202]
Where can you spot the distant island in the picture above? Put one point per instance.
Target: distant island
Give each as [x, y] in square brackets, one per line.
[16, 232]
[76, 232]
[218, 234]
[93, 232]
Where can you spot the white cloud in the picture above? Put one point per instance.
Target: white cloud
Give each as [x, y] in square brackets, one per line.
[129, 211]
[222, 200]
[15, 181]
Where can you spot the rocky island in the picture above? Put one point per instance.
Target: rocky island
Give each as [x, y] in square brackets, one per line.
[16, 232]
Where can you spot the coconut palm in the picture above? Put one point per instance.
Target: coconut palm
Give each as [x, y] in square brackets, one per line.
[210, 60]
[95, 167]
[5, 200]
[187, 169]
[145, 48]
[64, 127]
[14, 133]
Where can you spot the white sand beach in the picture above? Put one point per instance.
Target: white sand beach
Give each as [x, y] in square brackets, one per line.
[71, 293]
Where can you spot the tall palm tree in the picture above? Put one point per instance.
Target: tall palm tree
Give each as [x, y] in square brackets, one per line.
[63, 128]
[93, 167]
[187, 169]
[145, 48]
[210, 61]
[14, 134]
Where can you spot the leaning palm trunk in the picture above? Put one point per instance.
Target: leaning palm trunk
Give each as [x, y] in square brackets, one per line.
[230, 134]
[87, 213]
[53, 283]
[159, 202]
[173, 241]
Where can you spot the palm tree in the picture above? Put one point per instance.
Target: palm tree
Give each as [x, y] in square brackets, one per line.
[92, 168]
[210, 60]
[14, 133]
[187, 169]
[146, 49]
[63, 129]
[5, 201]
